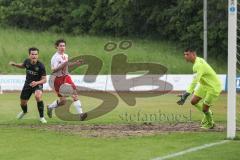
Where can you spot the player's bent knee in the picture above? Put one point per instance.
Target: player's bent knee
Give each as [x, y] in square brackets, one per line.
[194, 102]
[38, 98]
[205, 108]
[38, 95]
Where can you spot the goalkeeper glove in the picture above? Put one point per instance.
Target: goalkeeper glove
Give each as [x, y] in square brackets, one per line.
[183, 98]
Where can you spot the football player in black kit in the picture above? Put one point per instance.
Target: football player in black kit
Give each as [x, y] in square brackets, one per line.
[35, 78]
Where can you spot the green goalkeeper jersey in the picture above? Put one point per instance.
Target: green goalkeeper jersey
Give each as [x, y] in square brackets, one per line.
[205, 75]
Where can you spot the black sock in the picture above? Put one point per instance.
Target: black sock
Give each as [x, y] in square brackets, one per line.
[24, 108]
[40, 106]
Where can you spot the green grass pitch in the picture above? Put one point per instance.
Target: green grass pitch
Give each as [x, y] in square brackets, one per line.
[27, 139]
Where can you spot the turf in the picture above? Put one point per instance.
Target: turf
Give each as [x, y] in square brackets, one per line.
[33, 144]
[18, 140]
[165, 104]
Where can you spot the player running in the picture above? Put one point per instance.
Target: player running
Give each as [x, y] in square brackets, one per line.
[59, 66]
[35, 78]
[205, 85]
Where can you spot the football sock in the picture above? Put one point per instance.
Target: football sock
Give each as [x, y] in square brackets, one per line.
[24, 108]
[78, 106]
[209, 116]
[40, 106]
[54, 104]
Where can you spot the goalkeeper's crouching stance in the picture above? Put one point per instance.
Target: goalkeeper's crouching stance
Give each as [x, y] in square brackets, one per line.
[206, 87]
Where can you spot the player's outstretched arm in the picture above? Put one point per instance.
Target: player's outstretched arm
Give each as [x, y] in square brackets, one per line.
[183, 98]
[18, 65]
[75, 63]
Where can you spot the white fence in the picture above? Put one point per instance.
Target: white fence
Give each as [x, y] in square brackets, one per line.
[108, 82]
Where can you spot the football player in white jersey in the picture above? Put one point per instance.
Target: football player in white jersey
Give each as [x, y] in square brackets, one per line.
[59, 67]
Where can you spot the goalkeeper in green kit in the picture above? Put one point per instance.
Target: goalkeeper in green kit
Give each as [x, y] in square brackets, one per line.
[205, 86]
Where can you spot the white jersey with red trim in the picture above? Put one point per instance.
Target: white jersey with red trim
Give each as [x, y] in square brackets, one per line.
[56, 61]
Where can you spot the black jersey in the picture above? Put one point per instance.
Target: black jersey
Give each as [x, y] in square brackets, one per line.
[34, 72]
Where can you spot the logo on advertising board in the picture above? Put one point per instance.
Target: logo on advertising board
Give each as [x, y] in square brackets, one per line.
[232, 7]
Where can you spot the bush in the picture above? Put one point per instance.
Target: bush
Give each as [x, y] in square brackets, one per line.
[176, 20]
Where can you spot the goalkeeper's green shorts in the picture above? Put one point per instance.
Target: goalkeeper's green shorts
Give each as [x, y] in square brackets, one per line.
[209, 96]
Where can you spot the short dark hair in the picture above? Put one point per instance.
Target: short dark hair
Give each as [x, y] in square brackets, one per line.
[189, 50]
[60, 41]
[32, 49]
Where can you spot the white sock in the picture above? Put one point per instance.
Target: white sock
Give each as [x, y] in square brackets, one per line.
[53, 105]
[78, 106]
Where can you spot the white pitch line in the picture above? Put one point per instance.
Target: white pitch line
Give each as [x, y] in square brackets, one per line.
[190, 150]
